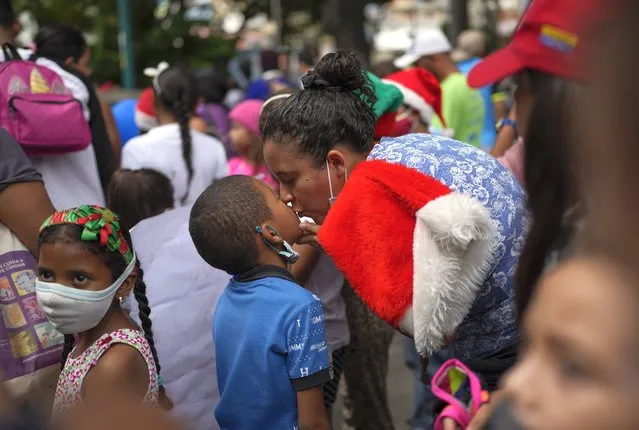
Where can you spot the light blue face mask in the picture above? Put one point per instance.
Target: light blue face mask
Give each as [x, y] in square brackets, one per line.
[71, 310]
[288, 254]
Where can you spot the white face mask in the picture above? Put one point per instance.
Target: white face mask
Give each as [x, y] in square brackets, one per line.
[75, 311]
[332, 199]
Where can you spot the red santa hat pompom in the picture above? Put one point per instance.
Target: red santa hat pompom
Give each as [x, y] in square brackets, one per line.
[421, 92]
[416, 252]
[145, 117]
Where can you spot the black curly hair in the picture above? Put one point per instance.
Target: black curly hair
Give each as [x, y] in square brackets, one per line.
[176, 91]
[223, 220]
[335, 107]
[69, 233]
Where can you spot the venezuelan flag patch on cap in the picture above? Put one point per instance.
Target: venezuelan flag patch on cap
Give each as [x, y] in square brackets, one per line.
[557, 38]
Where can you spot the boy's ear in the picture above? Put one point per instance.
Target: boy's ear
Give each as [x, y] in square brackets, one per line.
[270, 236]
[127, 286]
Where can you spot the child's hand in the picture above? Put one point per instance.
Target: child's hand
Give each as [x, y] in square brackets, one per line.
[309, 234]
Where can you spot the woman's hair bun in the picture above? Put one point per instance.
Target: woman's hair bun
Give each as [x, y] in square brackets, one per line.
[313, 81]
[340, 69]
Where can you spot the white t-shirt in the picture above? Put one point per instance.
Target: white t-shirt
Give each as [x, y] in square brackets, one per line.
[183, 291]
[161, 149]
[71, 179]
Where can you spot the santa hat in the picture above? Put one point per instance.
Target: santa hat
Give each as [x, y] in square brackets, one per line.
[415, 251]
[389, 100]
[421, 92]
[145, 117]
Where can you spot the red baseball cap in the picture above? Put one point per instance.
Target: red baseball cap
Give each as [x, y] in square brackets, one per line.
[550, 38]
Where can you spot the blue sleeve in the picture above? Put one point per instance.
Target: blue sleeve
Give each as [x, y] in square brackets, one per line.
[307, 360]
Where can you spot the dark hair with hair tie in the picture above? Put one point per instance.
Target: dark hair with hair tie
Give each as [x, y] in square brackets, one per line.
[335, 108]
[313, 81]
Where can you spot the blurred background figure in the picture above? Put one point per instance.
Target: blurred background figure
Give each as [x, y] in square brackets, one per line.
[213, 89]
[463, 107]
[139, 194]
[191, 159]
[471, 47]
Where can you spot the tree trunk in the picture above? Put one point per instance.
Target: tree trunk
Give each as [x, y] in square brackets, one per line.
[459, 13]
[344, 19]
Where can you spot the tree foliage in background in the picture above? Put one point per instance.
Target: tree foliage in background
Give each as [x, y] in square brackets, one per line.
[153, 41]
[343, 19]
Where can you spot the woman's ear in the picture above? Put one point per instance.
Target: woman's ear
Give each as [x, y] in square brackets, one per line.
[127, 286]
[270, 235]
[337, 162]
[69, 61]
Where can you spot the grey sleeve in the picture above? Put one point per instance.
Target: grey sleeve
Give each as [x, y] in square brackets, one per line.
[15, 167]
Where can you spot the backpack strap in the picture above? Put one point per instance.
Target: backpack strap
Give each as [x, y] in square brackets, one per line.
[10, 52]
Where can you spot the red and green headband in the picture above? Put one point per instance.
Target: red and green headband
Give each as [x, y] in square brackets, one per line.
[99, 225]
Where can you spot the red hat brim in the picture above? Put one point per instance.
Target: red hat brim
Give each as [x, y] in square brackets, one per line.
[495, 67]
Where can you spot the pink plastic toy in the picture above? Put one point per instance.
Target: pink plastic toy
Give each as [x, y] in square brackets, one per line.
[457, 386]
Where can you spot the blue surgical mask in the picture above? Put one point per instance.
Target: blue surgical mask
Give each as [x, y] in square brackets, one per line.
[288, 254]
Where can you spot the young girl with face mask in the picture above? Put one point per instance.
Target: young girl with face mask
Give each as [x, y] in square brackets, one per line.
[86, 267]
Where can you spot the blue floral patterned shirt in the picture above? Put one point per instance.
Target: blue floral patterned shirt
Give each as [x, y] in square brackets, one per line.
[490, 325]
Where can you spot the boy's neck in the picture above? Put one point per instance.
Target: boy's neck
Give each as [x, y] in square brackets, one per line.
[272, 259]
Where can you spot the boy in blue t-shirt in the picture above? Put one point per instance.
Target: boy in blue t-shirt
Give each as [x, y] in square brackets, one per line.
[271, 353]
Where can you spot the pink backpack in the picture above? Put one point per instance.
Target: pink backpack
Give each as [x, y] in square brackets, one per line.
[38, 110]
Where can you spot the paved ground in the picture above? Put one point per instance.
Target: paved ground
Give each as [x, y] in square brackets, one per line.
[400, 388]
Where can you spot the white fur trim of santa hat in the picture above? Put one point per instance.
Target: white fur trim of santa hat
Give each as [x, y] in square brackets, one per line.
[414, 100]
[453, 246]
[145, 122]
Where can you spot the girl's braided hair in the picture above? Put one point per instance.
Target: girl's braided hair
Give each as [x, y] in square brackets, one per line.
[176, 91]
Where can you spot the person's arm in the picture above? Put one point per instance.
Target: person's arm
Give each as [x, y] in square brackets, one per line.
[303, 268]
[24, 203]
[505, 136]
[311, 413]
[308, 365]
[121, 373]
[112, 130]
[23, 208]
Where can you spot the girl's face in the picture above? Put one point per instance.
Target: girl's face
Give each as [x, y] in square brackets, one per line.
[241, 139]
[579, 363]
[73, 266]
[302, 183]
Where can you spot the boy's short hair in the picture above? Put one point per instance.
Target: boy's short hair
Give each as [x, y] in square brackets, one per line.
[223, 221]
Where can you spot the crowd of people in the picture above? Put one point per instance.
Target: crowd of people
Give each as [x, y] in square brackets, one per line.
[237, 256]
